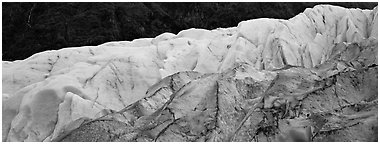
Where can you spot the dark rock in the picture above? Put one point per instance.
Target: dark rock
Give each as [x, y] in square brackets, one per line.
[29, 28]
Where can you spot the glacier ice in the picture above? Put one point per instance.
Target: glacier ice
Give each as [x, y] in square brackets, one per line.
[46, 92]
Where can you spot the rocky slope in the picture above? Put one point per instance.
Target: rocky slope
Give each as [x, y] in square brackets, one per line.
[310, 78]
[32, 27]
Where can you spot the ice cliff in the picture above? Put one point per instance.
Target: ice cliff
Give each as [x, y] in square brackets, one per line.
[316, 73]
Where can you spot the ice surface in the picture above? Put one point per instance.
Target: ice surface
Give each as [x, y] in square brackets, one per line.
[44, 93]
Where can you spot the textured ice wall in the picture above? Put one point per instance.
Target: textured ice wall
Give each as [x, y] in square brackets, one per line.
[45, 92]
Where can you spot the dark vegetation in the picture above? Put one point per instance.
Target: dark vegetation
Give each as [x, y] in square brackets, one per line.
[29, 28]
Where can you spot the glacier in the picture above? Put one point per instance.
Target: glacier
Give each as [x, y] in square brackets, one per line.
[150, 89]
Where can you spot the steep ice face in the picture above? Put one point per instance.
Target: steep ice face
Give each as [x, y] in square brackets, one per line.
[44, 93]
[306, 40]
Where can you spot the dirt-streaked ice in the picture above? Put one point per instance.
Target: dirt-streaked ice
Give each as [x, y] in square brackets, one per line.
[45, 92]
